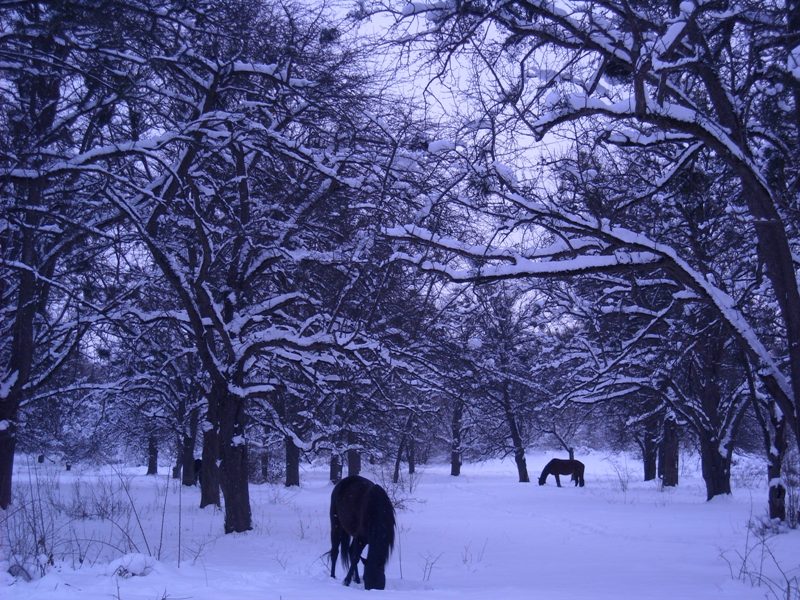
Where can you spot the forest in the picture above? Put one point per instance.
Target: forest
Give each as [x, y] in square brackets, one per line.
[263, 233]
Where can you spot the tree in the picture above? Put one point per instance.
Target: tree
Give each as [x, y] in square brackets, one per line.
[230, 140]
[49, 217]
[664, 93]
[503, 355]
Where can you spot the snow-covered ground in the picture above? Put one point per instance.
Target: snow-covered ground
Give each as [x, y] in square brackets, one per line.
[478, 536]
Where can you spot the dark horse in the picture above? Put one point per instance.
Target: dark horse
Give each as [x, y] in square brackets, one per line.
[361, 515]
[562, 466]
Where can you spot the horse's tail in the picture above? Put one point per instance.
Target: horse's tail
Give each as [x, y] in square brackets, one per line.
[344, 550]
[339, 537]
[382, 523]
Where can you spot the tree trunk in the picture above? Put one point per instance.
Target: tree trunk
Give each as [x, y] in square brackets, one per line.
[775, 454]
[353, 462]
[8, 441]
[187, 450]
[404, 438]
[668, 453]
[335, 471]
[649, 447]
[233, 465]
[411, 451]
[516, 439]
[265, 465]
[455, 463]
[235, 487]
[292, 462]
[774, 434]
[649, 458]
[396, 474]
[522, 466]
[716, 468]
[209, 482]
[353, 455]
[152, 455]
[20, 358]
[177, 468]
[455, 443]
[187, 461]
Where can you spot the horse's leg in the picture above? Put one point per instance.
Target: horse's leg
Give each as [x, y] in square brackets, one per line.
[558, 479]
[336, 538]
[355, 553]
[355, 558]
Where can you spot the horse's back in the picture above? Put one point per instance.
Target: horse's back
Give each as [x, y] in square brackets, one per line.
[565, 466]
[348, 499]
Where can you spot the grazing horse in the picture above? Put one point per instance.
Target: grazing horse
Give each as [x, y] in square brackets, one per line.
[361, 515]
[562, 466]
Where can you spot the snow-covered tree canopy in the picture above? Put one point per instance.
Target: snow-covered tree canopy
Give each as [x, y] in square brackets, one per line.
[641, 137]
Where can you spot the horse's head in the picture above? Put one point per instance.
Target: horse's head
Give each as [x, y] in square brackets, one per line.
[542, 479]
[374, 576]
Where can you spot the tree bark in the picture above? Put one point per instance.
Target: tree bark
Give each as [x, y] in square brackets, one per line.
[353, 462]
[292, 462]
[522, 466]
[187, 451]
[404, 439]
[716, 468]
[774, 434]
[668, 453]
[233, 466]
[516, 438]
[177, 468]
[152, 455]
[649, 447]
[8, 441]
[411, 452]
[398, 459]
[353, 455]
[209, 482]
[265, 455]
[335, 471]
[777, 491]
[187, 461]
[456, 438]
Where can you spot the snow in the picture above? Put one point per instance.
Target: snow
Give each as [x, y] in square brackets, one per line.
[472, 537]
[437, 146]
[415, 8]
[131, 565]
[7, 384]
[793, 61]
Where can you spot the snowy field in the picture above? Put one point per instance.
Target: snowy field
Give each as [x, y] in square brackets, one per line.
[479, 536]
